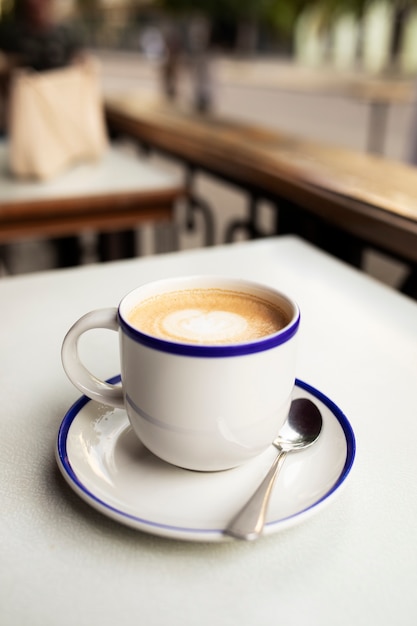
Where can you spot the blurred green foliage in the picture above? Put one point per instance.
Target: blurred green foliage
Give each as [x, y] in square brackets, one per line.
[6, 8]
[282, 14]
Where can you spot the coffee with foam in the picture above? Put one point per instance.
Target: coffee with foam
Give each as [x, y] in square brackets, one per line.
[207, 316]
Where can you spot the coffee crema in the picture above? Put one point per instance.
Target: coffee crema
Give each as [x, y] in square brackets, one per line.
[207, 316]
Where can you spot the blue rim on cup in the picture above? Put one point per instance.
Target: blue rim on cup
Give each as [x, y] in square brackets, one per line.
[197, 350]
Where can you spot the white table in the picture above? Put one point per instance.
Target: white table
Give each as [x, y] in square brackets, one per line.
[117, 192]
[355, 562]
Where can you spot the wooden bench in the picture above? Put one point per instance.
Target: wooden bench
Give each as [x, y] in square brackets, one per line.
[333, 196]
[118, 192]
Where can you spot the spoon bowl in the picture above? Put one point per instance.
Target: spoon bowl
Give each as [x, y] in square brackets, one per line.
[301, 429]
[302, 426]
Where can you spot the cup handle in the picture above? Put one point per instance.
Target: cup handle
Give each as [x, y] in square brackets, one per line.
[79, 375]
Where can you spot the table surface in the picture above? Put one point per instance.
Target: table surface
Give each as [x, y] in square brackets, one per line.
[117, 192]
[355, 562]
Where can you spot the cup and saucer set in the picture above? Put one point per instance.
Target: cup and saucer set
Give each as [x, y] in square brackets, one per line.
[166, 453]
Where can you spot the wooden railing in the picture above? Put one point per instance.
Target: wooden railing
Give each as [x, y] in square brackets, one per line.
[341, 199]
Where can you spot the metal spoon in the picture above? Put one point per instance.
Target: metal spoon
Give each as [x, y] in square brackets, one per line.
[301, 429]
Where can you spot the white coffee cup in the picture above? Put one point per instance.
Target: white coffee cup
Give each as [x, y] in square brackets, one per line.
[202, 406]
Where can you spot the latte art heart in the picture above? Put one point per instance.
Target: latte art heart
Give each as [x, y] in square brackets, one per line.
[207, 316]
[197, 325]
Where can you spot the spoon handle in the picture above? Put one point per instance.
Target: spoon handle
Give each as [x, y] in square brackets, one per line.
[249, 522]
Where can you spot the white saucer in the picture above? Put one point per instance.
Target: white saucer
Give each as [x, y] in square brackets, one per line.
[105, 463]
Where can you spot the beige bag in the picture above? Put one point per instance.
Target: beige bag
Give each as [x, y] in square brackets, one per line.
[56, 119]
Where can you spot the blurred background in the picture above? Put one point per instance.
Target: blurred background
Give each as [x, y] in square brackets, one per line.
[370, 35]
[365, 35]
[283, 63]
